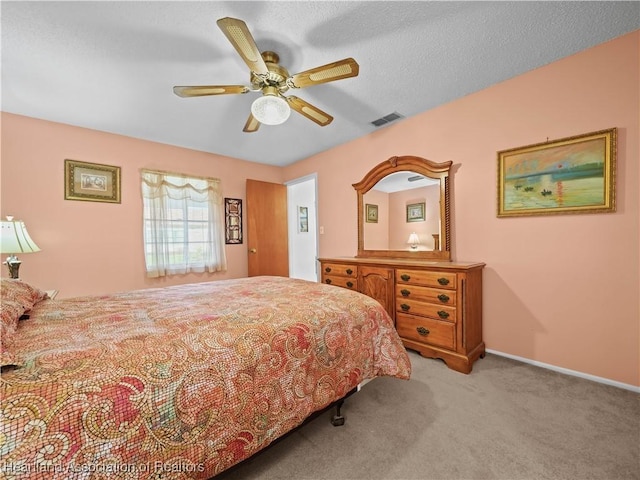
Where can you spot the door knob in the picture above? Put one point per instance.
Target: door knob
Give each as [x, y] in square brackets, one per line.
[253, 250]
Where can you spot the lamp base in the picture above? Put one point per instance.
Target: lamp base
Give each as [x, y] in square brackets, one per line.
[14, 266]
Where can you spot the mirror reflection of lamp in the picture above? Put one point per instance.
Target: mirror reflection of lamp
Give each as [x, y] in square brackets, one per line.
[14, 238]
[414, 241]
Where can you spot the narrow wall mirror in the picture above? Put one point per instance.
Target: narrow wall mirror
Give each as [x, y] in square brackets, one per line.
[404, 210]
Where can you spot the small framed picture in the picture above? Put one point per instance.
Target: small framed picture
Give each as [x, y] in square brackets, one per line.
[303, 219]
[91, 182]
[372, 213]
[233, 220]
[415, 212]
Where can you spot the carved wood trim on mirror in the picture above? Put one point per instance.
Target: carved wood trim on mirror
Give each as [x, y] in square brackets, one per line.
[411, 169]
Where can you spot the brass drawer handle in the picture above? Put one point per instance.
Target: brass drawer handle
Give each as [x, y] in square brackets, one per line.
[443, 281]
[405, 292]
[443, 314]
[327, 280]
[405, 307]
[443, 298]
[405, 277]
[422, 331]
[349, 271]
[327, 269]
[350, 284]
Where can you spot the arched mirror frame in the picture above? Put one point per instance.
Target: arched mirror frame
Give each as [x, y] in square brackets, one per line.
[422, 166]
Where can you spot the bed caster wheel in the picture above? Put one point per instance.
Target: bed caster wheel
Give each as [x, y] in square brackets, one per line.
[337, 420]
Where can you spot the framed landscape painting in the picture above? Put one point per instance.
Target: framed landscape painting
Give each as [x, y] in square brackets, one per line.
[570, 175]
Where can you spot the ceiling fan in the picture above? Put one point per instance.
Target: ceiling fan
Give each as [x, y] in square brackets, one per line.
[272, 80]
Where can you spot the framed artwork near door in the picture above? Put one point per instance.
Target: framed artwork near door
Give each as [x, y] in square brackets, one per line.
[303, 219]
[233, 220]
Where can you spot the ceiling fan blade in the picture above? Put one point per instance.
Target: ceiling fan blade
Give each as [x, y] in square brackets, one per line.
[202, 90]
[327, 73]
[240, 37]
[312, 113]
[252, 124]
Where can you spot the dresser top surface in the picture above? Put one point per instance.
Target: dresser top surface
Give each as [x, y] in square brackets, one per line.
[402, 262]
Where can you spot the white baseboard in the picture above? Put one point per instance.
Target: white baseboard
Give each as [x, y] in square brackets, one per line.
[566, 371]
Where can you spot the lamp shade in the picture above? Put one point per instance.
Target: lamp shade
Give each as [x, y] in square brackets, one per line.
[14, 238]
[414, 240]
[270, 109]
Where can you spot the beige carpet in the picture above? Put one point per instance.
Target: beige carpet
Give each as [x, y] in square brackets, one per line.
[506, 420]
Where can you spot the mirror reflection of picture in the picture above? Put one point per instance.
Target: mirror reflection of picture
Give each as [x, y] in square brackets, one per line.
[303, 219]
[372, 213]
[415, 212]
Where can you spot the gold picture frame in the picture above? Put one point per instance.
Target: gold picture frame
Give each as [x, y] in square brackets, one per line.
[372, 213]
[415, 212]
[570, 175]
[91, 182]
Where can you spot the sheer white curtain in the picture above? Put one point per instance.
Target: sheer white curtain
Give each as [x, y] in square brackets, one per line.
[183, 224]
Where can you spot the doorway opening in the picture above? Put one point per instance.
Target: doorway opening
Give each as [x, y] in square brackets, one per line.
[303, 231]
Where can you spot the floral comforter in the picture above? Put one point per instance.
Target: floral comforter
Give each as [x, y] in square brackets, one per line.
[185, 381]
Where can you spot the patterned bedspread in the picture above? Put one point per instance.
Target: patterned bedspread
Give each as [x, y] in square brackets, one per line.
[185, 381]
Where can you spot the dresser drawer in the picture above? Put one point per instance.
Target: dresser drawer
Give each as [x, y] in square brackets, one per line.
[427, 279]
[439, 312]
[345, 282]
[425, 294]
[426, 330]
[338, 269]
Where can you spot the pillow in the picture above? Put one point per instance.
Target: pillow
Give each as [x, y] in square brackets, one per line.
[16, 297]
[11, 312]
[23, 293]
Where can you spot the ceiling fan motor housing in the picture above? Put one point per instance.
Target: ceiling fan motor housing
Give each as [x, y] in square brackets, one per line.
[276, 77]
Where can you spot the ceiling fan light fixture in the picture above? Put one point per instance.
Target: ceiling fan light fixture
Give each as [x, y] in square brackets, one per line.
[270, 108]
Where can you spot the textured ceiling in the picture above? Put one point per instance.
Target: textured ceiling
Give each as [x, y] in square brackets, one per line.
[111, 66]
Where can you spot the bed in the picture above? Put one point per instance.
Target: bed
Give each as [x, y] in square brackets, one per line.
[177, 382]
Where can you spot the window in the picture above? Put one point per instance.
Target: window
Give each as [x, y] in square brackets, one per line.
[183, 224]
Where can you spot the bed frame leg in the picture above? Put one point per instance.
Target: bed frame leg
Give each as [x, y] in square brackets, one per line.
[338, 420]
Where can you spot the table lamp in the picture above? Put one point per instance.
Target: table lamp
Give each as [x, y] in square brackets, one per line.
[14, 239]
[414, 241]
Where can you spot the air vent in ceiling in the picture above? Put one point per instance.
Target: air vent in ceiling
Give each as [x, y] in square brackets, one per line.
[387, 119]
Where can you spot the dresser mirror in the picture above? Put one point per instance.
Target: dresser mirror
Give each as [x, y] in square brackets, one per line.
[404, 210]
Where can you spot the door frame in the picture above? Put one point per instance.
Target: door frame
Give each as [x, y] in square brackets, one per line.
[293, 225]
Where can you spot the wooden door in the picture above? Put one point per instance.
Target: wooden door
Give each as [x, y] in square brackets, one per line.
[267, 229]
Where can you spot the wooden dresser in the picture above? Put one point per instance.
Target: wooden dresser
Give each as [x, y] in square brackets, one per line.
[436, 305]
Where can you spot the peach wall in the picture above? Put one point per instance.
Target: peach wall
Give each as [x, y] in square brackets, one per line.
[91, 247]
[562, 289]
